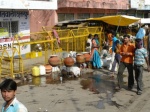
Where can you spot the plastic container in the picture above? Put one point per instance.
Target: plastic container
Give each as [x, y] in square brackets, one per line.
[35, 71]
[42, 70]
[36, 81]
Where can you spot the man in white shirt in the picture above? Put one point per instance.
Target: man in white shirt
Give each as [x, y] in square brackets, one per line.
[89, 43]
[8, 91]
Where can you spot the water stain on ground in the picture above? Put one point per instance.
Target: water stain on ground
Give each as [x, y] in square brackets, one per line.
[43, 80]
[98, 84]
[95, 83]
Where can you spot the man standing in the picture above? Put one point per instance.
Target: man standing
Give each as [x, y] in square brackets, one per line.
[115, 56]
[148, 44]
[89, 43]
[139, 61]
[8, 90]
[127, 53]
[142, 32]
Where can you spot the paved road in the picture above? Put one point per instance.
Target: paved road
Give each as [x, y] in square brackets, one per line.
[71, 97]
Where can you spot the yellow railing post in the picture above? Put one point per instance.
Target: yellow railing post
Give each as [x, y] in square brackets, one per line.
[5, 56]
[0, 68]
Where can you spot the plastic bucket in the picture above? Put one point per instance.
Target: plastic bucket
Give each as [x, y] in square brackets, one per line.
[35, 71]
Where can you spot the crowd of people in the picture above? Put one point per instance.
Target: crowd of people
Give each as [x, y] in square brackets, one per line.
[125, 54]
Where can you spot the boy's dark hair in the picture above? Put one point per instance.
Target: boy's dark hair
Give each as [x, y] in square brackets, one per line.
[90, 36]
[8, 84]
[95, 35]
[108, 31]
[143, 25]
[126, 36]
[106, 47]
[138, 40]
[113, 33]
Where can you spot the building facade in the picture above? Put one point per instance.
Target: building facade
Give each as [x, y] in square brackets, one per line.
[22, 17]
[25, 16]
[82, 9]
[140, 8]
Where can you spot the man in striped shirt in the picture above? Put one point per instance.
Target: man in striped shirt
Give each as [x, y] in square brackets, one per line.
[139, 61]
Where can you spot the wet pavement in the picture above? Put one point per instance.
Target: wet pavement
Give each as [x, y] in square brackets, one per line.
[89, 81]
[92, 91]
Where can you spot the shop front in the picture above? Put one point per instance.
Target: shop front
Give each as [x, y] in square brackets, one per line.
[14, 22]
[21, 17]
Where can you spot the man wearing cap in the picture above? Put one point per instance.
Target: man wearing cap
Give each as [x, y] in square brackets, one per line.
[8, 91]
[127, 52]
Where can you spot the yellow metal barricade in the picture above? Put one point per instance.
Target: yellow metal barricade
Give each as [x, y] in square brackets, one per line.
[70, 40]
[66, 39]
[6, 64]
[17, 63]
[80, 37]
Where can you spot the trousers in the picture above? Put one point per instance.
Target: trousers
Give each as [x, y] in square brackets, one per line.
[121, 69]
[138, 76]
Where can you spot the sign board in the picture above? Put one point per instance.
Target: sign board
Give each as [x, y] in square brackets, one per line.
[140, 4]
[28, 4]
[145, 20]
[8, 45]
[147, 2]
[20, 21]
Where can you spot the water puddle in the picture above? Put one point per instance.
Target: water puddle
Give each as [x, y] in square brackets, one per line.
[100, 84]
[46, 79]
[96, 83]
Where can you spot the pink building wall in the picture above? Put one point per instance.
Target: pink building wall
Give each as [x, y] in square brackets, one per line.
[104, 4]
[40, 18]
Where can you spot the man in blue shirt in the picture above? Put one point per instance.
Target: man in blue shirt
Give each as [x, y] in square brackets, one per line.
[115, 56]
[141, 33]
[139, 61]
[8, 90]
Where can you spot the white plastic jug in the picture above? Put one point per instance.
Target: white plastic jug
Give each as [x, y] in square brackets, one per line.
[42, 70]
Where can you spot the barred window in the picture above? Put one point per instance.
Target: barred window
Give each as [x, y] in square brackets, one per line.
[14, 27]
[64, 17]
[83, 16]
[10, 26]
[98, 14]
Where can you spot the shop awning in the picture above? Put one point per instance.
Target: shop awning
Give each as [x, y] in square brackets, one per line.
[118, 20]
